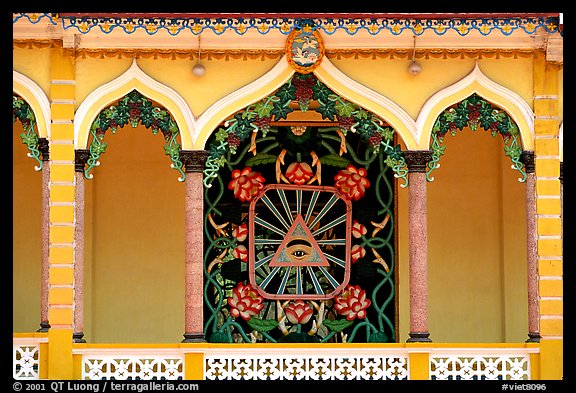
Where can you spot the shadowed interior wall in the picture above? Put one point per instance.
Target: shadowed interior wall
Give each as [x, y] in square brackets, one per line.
[26, 236]
[476, 245]
[137, 242]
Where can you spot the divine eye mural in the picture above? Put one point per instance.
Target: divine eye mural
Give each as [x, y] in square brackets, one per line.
[299, 222]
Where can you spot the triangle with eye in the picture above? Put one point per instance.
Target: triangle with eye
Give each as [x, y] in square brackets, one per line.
[299, 248]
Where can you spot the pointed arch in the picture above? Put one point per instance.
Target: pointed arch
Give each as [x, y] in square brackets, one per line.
[240, 99]
[331, 76]
[376, 103]
[476, 82]
[133, 79]
[33, 94]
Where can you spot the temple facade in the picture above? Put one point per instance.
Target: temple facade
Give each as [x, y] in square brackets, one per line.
[287, 196]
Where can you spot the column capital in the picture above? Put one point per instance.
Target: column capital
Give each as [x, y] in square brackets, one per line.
[81, 157]
[527, 158]
[44, 149]
[193, 160]
[416, 160]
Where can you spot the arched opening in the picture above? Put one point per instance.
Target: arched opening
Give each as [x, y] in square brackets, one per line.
[26, 218]
[300, 221]
[134, 225]
[477, 226]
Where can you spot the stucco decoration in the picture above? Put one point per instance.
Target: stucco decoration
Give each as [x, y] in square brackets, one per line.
[133, 78]
[33, 94]
[476, 82]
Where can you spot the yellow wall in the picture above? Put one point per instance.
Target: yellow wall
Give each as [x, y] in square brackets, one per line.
[134, 207]
[476, 245]
[136, 252]
[26, 236]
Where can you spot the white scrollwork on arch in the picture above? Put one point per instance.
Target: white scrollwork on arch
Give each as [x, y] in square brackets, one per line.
[33, 94]
[476, 82]
[133, 78]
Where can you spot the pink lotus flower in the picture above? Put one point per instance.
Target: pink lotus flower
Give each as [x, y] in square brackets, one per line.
[352, 303]
[245, 301]
[358, 230]
[240, 252]
[352, 182]
[298, 312]
[357, 252]
[240, 232]
[246, 184]
[299, 173]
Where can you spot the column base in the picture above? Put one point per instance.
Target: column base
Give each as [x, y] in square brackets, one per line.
[533, 338]
[194, 338]
[44, 327]
[419, 337]
[78, 337]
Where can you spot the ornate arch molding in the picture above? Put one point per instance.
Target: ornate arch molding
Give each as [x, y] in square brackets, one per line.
[476, 82]
[333, 78]
[238, 100]
[36, 98]
[376, 103]
[133, 79]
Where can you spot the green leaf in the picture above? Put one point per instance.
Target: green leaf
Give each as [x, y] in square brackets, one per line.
[334, 160]
[345, 108]
[286, 93]
[221, 135]
[321, 92]
[261, 159]
[218, 337]
[281, 111]
[379, 337]
[337, 325]
[327, 109]
[262, 109]
[262, 325]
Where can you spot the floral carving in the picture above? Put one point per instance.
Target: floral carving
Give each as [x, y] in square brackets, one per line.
[352, 303]
[352, 182]
[299, 173]
[298, 312]
[245, 301]
[246, 184]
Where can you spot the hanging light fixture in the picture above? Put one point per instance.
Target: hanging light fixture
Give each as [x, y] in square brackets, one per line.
[198, 69]
[414, 68]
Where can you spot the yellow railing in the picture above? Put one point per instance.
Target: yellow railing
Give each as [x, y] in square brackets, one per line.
[203, 361]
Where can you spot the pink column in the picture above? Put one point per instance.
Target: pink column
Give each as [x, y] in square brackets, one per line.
[194, 246]
[532, 249]
[418, 238]
[44, 275]
[82, 156]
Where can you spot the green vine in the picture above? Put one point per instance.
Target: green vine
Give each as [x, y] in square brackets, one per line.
[473, 112]
[134, 109]
[303, 88]
[22, 111]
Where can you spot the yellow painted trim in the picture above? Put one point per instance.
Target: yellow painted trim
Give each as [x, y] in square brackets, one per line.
[43, 360]
[77, 366]
[551, 359]
[112, 96]
[29, 97]
[392, 119]
[419, 365]
[194, 366]
[60, 364]
[534, 366]
[475, 87]
[227, 109]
